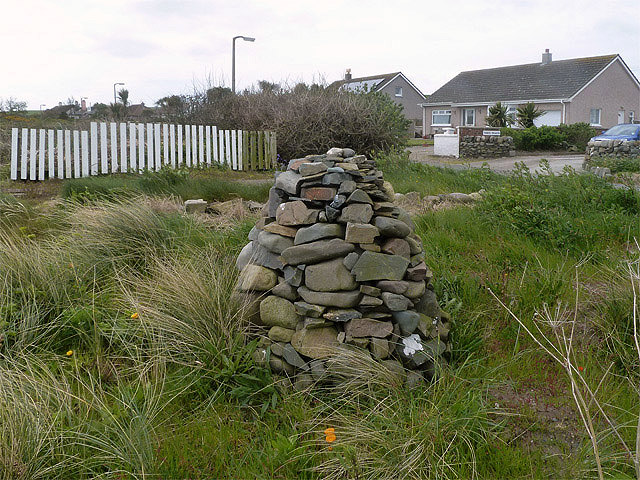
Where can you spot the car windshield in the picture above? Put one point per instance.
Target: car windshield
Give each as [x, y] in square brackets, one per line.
[622, 130]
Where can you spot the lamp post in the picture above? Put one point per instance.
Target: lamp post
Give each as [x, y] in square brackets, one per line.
[233, 59]
[42, 105]
[115, 100]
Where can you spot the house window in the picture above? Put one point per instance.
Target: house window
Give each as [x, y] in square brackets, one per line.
[398, 91]
[512, 112]
[632, 116]
[594, 118]
[469, 117]
[441, 117]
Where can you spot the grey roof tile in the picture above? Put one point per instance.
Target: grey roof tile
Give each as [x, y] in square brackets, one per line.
[558, 79]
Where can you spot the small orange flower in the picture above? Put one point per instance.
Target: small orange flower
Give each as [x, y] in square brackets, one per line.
[69, 353]
[581, 368]
[330, 436]
[135, 315]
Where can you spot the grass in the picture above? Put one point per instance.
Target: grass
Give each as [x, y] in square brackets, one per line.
[161, 382]
[617, 165]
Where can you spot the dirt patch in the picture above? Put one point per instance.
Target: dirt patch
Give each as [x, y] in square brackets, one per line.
[537, 420]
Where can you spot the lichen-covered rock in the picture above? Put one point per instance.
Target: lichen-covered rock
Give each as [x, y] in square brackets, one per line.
[256, 278]
[278, 311]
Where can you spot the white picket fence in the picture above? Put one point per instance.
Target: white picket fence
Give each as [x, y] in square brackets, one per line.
[109, 148]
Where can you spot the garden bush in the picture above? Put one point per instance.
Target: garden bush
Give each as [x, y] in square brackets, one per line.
[617, 165]
[551, 138]
[534, 138]
[306, 119]
[577, 134]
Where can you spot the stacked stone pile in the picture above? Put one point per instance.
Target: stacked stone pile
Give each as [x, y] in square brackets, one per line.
[486, 146]
[335, 266]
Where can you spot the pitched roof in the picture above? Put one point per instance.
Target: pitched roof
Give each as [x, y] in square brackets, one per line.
[558, 79]
[372, 82]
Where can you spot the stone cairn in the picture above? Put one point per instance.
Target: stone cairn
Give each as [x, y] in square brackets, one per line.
[335, 265]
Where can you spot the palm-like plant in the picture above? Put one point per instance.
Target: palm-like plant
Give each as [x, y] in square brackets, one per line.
[527, 114]
[123, 95]
[498, 116]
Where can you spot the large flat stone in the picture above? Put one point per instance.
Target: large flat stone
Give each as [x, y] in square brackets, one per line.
[316, 343]
[367, 327]
[360, 233]
[323, 194]
[395, 302]
[307, 169]
[330, 276]
[379, 266]
[263, 257]
[277, 311]
[256, 278]
[274, 227]
[273, 242]
[341, 315]
[318, 251]
[284, 290]
[295, 213]
[318, 231]
[288, 181]
[397, 246]
[359, 196]
[391, 227]
[356, 213]
[330, 299]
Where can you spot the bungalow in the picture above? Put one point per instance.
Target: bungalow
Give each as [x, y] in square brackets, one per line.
[599, 90]
[396, 85]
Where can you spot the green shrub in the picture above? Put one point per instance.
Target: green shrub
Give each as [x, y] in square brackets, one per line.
[534, 138]
[577, 134]
[617, 165]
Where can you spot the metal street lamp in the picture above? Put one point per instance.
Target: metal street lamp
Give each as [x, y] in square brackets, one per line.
[115, 100]
[42, 105]
[233, 59]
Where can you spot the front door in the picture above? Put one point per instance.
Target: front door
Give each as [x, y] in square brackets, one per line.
[621, 116]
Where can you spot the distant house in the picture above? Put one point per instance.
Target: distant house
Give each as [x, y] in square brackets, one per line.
[599, 90]
[396, 85]
[140, 111]
[72, 110]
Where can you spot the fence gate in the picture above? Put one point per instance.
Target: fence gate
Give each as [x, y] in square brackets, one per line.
[108, 148]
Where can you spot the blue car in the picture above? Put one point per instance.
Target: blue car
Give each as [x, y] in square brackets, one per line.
[624, 131]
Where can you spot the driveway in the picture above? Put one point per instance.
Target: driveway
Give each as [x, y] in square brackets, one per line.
[500, 165]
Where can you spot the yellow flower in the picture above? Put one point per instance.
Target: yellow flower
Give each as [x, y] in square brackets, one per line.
[135, 315]
[69, 353]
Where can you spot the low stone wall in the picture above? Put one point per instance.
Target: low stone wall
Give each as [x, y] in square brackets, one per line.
[486, 146]
[612, 149]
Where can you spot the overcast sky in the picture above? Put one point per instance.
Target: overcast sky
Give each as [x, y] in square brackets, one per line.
[52, 50]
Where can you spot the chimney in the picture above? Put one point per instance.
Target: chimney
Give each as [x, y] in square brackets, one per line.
[83, 105]
[546, 57]
[347, 76]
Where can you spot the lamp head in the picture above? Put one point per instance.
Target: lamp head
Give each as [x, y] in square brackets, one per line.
[249, 39]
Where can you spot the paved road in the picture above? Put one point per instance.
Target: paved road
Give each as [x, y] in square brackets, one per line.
[501, 165]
